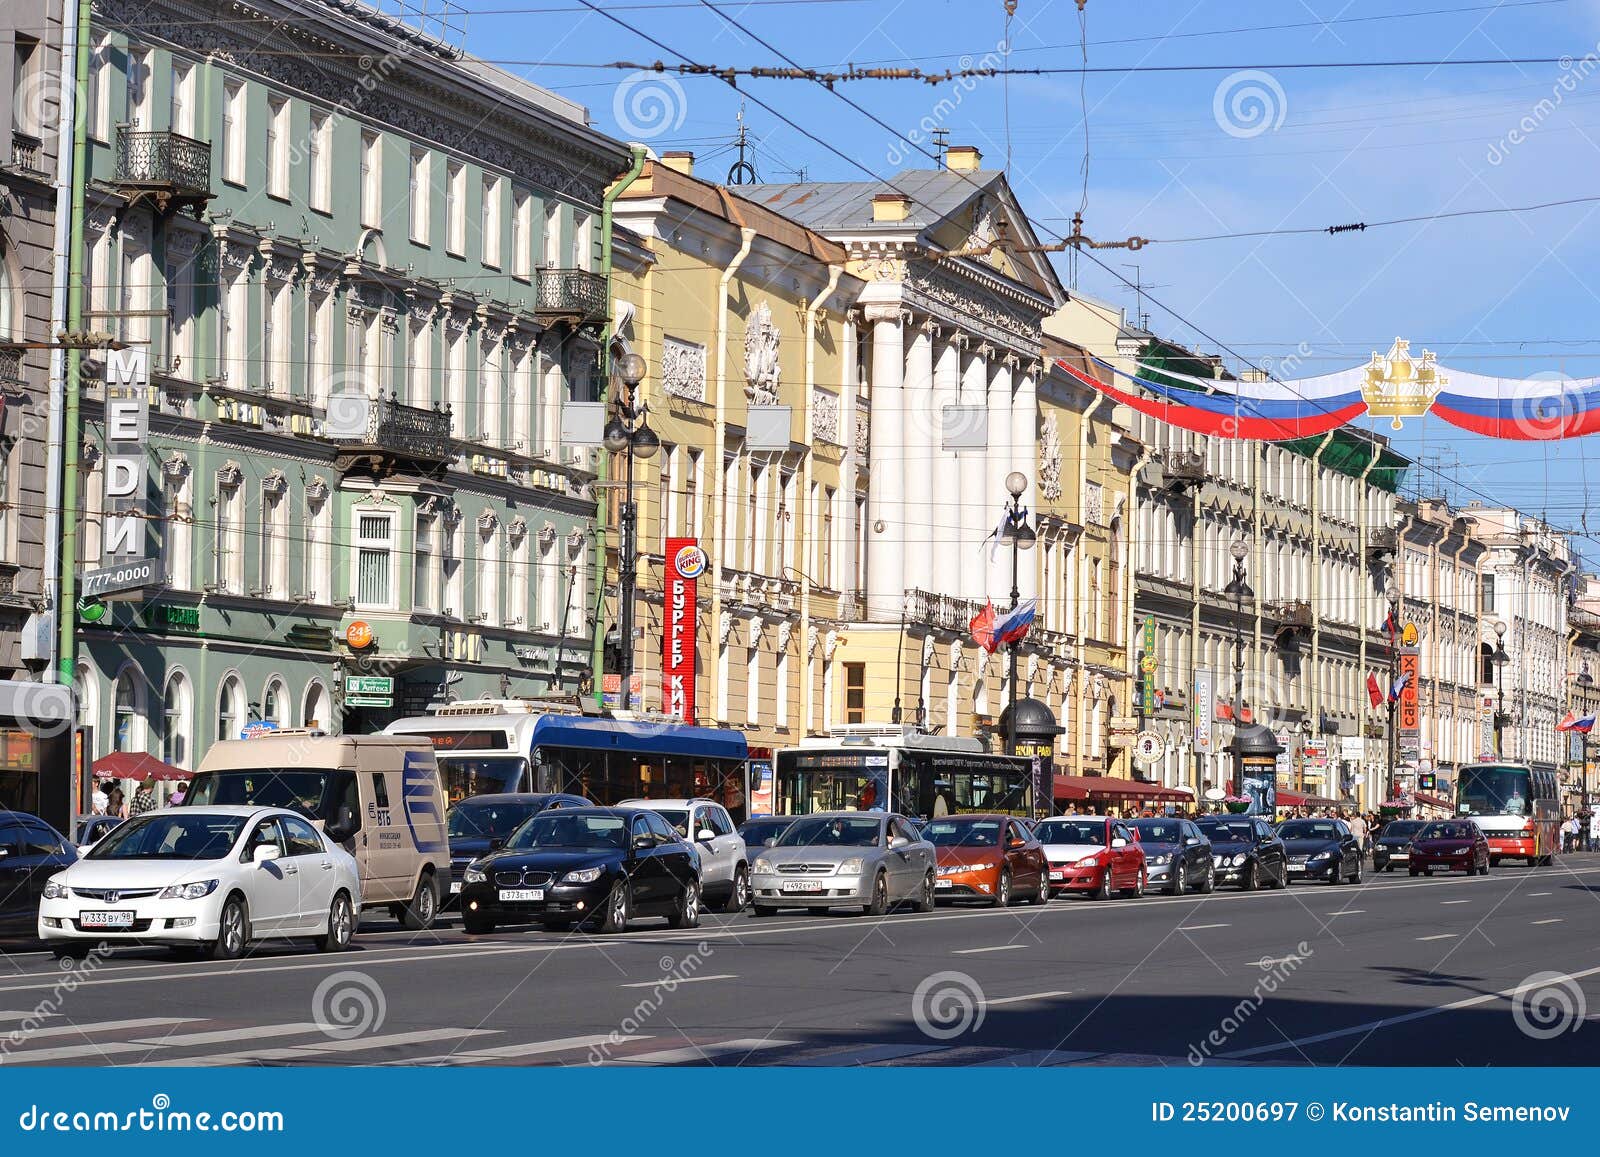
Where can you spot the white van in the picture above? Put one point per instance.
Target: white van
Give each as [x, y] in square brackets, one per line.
[378, 795]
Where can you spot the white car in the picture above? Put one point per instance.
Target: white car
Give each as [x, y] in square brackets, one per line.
[210, 879]
[724, 859]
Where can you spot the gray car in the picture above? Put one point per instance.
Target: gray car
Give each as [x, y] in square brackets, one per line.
[844, 859]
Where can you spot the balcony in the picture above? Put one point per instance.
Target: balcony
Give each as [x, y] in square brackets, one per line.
[1295, 616]
[945, 612]
[1184, 469]
[1381, 541]
[573, 295]
[167, 168]
[10, 367]
[27, 152]
[399, 437]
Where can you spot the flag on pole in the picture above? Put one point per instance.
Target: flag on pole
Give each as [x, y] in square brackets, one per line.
[1391, 625]
[1012, 627]
[1374, 690]
[1575, 722]
[982, 628]
[1399, 686]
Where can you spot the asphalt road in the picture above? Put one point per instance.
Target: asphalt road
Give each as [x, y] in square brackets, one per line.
[1503, 970]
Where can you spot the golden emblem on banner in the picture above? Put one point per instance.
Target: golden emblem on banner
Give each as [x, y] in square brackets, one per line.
[1400, 386]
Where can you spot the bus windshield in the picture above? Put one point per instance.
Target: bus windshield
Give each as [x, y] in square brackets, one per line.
[1494, 791]
[470, 775]
[833, 781]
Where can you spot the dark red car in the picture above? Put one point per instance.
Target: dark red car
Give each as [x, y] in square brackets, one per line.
[1450, 846]
[987, 857]
[1093, 854]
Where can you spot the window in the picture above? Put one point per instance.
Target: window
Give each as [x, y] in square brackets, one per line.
[455, 208]
[274, 538]
[228, 551]
[177, 718]
[278, 140]
[279, 338]
[425, 575]
[752, 684]
[1485, 663]
[230, 709]
[855, 692]
[234, 125]
[491, 221]
[374, 544]
[1486, 604]
[521, 227]
[491, 395]
[319, 347]
[455, 370]
[523, 420]
[371, 180]
[302, 837]
[233, 317]
[177, 528]
[489, 577]
[183, 102]
[582, 243]
[275, 703]
[419, 372]
[421, 188]
[98, 104]
[313, 713]
[128, 732]
[552, 234]
[517, 583]
[319, 548]
[450, 569]
[138, 87]
[180, 315]
[319, 168]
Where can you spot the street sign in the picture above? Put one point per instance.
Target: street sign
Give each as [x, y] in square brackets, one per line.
[369, 700]
[368, 685]
[1148, 747]
[127, 576]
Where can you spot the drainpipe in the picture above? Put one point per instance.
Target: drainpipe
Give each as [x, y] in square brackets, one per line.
[1455, 641]
[1083, 583]
[747, 238]
[1366, 590]
[639, 155]
[1314, 707]
[807, 700]
[61, 251]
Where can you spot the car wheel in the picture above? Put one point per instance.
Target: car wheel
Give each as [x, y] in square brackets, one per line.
[924, 901]
[763, 910]
[880, 896]
[686, 911]
[614, 918]
[1042, 895]
[1138, 884]
[233, 930]
[1180, 880]
[1002, 892]
[424, 907]
[739, 898]
[1356, 879]
[341, 926]
[1209, 884]
[1104, 891]
[1252, 878]
[476, 924]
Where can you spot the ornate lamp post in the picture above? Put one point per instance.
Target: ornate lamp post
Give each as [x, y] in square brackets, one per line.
[1021, 536]
[1240, 590]
[1392, 594]
[1501, 658]
[629, 434]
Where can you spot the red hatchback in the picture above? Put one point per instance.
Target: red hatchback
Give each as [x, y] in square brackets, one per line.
[1450, 846]
[1093, 854]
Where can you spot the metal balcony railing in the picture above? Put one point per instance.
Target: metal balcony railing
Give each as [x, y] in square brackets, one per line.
[163, 162]
[944, 611]
[1381, 540]
[574, 293]
[10, 365]
[409, 431]
[27, 152]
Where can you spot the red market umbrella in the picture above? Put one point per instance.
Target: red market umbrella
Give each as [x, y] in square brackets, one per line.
[136, 765]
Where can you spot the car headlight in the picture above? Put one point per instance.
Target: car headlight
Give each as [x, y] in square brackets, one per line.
[582, 876]
[1233, 861]
[191, 891]
[1315, 856]
[851, 867]
[951, 869]
[762, 866]
[1157, 861]
[474, 874]
[1090, 861]
[55, 891]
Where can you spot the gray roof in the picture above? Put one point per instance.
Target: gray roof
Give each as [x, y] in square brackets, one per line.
[847, 205]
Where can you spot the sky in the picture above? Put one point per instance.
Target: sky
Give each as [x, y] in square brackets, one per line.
[1248, 144]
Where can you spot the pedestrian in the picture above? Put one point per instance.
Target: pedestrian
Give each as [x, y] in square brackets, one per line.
[178, 792]
[1594, 830]
[100, 801]
[115, 804]
[144, 800]
[1569, 834]
[1358, 829]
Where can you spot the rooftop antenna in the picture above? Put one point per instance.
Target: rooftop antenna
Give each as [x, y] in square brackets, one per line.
[742, 171]
[941, 142]
[1138, 287]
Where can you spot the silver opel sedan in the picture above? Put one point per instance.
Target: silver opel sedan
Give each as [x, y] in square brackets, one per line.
[868, 859]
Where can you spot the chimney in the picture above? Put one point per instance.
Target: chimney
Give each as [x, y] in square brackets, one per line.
[679, 162]
[963, 158]
[890, 207]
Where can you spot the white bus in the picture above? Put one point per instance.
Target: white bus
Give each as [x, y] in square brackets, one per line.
[1518, 809]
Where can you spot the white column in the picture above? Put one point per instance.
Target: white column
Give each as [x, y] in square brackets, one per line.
[1025, 457]
[886, 486]
[970, 468]
[943, 483]
[922, 508]
[999, 460]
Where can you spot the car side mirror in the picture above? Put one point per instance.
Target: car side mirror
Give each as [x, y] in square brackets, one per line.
[1016, 842]
[496, 843]
[4, 852]
[1190, 842]
[1119, 842]
[706, 835]
[264, 853]
[344, 824]
[770, 842]
[899, 842]
[643, 843]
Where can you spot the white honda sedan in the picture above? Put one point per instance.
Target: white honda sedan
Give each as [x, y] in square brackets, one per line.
[209, 879]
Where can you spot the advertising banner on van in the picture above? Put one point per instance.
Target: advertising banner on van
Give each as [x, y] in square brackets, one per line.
[686, 562]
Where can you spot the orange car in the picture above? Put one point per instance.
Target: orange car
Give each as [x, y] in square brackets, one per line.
[987, 857]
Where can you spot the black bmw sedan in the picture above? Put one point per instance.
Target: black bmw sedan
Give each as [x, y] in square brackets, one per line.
[1246, 851]
[597, 866]
[1321, 850]
[480, 824]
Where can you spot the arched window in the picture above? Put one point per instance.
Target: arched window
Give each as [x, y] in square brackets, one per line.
[1485, 663]
[128, 714]
[230, 708]
[275, 703]
[315, 711]
[177, 722]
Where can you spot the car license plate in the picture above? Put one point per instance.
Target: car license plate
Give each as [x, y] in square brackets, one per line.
[521, 895]
[1399, 855]
[121, 919]
[801, 886]
[455, 886]
[943, 884]
[1297, 867]
[1058, 875]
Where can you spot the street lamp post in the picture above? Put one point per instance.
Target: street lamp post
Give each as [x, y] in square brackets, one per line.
[1585, 684]
[628, 433]
[1501, 658]
[1021, 536]
[1392, 594]
[1240, 590]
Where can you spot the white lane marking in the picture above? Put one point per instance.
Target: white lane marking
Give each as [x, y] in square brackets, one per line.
[1372, 1026]
[1200, 927]
[681, 980]
[992, 1001]
[216, 1036]
[1554, 920]
[692, 1053]
[1541, 893]
[991, 948]
[105, 1026]
[537, 1048]
[39, 1056]
[1349, 912]
[1455, 901]
[871, 1055]
[311, 1052]
[1441, 936]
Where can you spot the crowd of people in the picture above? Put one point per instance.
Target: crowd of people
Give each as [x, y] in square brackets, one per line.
[110, 800]
[1581, 832]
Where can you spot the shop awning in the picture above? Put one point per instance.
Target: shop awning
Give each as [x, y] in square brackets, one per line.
[1113, 787]
[136, 765]
[1288, 798]
[1427, 800]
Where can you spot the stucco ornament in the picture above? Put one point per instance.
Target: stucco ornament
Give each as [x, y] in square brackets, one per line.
[1050, 458]
[761, 357]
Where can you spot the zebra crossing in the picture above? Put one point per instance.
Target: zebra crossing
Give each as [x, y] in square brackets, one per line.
[198, 1042]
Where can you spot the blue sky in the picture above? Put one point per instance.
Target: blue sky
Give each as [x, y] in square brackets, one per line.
[1172, 155]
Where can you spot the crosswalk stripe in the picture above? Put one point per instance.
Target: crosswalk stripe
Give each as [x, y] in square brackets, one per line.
[544, 1047]
[310, 1052]
[1441, 936]
[102, 1026]
[693, 1053]
[71, 1052]
[215, 1036]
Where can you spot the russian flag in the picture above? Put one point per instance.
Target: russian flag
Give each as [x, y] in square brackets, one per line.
[1399, 686]
[1012, 627]
[1576, 722]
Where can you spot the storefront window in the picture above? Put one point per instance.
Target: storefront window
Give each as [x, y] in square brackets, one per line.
[230, 711]
[177, 720]
[128, 724]
[273, 704]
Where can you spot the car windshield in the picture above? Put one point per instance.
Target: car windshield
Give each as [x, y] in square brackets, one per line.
[1225, 830]
[1308, 830]
[1157, 832]
[1445, 832]
[1072, 832]
[308, 791]
[174, 836]
[569, 830]
[757, 832]
[832, 832]
[1405, 828]
[488, 821]
[962, 833]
